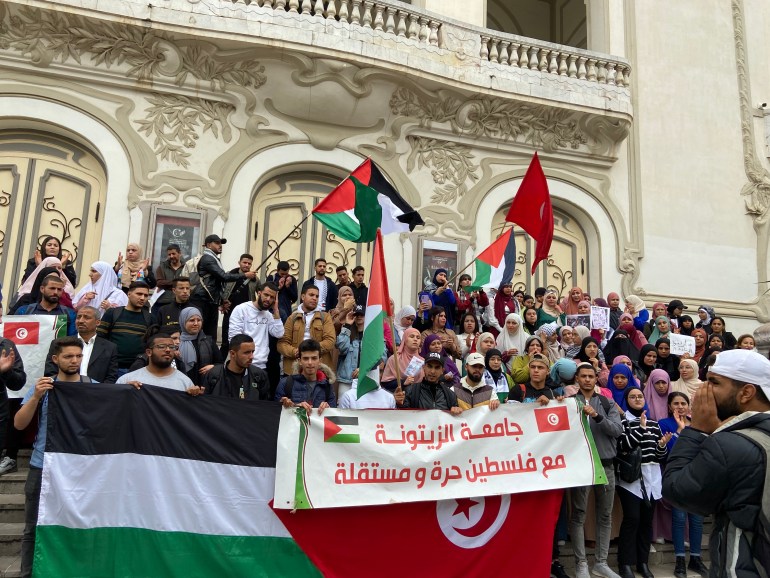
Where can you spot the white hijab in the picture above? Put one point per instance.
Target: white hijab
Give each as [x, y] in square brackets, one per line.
[104, 288]
[516, 340]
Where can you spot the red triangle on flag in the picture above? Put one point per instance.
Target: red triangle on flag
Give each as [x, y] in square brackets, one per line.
[331, 429]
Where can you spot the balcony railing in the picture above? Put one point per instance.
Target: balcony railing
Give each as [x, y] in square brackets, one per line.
[401, 20]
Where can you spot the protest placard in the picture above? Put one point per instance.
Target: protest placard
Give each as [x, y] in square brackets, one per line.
[600, 318]
[681, 344]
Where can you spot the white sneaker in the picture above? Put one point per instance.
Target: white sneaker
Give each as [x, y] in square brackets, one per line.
[7, 465]
[581, 571]
[652, 549]
[601, 569]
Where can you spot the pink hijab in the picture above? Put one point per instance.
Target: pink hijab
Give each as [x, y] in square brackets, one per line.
[402, 357]
[657, 403]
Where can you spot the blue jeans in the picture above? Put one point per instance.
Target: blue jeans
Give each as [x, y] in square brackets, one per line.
[678, 519]
[122, 371]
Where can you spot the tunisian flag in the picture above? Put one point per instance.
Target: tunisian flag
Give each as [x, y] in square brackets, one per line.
[509, 535]
[531, 209]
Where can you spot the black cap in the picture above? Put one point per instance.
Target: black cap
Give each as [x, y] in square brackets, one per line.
[433, 356]
[676, 304]
[214, 239]
[359, 310]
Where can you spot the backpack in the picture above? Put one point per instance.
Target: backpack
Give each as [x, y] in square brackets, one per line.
[289, 387]
[190, 270]
[118, 310]
[760, 543]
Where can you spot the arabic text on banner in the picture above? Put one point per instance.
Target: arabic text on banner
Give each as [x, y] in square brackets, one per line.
[356, 458]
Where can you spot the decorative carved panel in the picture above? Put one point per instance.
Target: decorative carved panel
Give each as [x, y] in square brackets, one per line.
[567, 263]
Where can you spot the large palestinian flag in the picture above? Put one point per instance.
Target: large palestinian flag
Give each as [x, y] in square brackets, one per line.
[154, 482]
[364, 202]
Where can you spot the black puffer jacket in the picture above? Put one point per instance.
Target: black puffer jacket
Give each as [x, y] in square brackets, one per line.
[212, 279]
[721, 474]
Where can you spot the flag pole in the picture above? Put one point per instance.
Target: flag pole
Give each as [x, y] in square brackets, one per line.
[456, 275]
[286, 238]
[395, 353]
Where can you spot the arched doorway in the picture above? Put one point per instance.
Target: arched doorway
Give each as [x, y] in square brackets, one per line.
[48, 186]
[279, 205]
[567, 263]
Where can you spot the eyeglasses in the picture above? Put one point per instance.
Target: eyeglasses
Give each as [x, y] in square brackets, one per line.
[165, 347]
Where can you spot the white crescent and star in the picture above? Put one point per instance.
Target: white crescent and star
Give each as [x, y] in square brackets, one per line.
[472, 522]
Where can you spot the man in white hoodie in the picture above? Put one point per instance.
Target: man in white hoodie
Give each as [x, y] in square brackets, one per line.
[260, 320]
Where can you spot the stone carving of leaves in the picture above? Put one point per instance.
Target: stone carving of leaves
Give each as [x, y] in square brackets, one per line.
[175, 121]
[544, 127]
[451, 166]
[46, 36]
[199, 63]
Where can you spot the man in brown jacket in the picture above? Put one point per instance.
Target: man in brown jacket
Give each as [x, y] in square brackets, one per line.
[307, 323]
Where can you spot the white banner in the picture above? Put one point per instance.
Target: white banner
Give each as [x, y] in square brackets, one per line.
[356, 458]
[32, 335]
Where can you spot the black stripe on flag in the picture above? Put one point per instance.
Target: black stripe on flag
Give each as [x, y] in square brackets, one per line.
[510, 259]
[92, 419]
[340, 420]
[379, 183]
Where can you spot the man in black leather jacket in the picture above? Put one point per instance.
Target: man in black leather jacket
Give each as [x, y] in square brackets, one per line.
[714, 469]
[430, 393]
[207, 296]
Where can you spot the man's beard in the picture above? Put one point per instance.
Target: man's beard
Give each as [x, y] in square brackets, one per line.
[162, 363]
[52, 299]
[262, 306]
[728, 408]
[75, 371]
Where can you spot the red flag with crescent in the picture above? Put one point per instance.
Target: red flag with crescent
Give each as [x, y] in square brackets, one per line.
[461, 537]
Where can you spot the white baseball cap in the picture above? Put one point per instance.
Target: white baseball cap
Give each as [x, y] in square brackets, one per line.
[744, 365]
[475, 359]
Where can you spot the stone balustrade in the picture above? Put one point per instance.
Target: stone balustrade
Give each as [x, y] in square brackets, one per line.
[405, 21]
[548, 58]
[387, 17]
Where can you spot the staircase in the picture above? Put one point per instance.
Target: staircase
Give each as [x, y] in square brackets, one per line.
[12, 517]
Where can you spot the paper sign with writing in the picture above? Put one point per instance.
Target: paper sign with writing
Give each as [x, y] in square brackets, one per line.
[414, 367]
[681, 344]
[600, 317]
[356, 458]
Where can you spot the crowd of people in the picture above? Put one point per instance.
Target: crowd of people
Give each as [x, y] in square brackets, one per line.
[454, 349]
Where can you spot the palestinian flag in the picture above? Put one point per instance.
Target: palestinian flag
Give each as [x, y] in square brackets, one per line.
[377, 309]
[136, 484]
[364, 202]
[497, 263]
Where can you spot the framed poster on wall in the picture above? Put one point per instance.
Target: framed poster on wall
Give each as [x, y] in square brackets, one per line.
[437, 255]
[180, 226]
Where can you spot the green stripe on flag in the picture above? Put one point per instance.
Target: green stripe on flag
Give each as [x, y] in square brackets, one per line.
[340, 224]
[61, 551]
[372, 344]
[368, 211]
[600, 477]
[483, 275]
[344, 439]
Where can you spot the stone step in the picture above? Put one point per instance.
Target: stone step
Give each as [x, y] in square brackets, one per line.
[662, 556]
[10, 566]
[11, 508]
[10, 539]
[13, 483]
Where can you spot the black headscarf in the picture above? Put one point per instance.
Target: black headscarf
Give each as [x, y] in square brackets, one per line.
[629, 409]
[682, 330]
[494, 373]
[619, 346]
[669, 364]
[581, 355]
[647, 369]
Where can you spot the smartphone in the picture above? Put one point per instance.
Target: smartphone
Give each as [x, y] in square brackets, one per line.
[424, 297]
